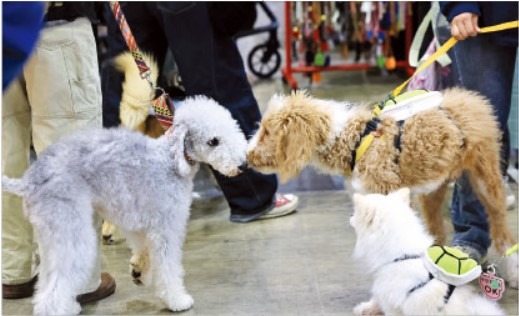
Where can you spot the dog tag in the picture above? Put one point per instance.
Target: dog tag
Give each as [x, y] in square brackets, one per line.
[491, 285]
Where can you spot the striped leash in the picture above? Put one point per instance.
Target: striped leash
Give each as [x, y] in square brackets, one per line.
[162, 105]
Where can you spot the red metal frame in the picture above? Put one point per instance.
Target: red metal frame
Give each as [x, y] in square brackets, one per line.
[289, 69]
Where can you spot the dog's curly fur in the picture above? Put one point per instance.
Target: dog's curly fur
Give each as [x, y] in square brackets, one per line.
[437, 145]
[140, 184]
[391, 243]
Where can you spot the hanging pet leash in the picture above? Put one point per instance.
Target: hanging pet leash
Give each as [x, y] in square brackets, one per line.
[162, 104]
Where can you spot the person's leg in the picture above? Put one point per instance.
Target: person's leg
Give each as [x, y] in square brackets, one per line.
[111, 79]
[212, 66]
[492, 78]
[64, 91]
[469, 219]
[17, 232]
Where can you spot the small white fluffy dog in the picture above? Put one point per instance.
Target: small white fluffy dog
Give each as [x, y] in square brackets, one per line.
[140, 184]
[390, 242]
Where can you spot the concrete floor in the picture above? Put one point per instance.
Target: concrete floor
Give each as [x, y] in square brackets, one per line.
[295, 265]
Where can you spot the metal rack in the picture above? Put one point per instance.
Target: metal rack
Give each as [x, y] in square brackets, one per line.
[289, 69]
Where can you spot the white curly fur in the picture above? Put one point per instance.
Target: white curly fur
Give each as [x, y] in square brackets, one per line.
[140, 184]
[387, 228]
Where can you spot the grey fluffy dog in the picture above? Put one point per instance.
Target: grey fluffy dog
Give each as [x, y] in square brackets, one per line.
[140, 184]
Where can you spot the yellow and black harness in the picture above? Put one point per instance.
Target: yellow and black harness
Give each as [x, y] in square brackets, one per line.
[372, 131]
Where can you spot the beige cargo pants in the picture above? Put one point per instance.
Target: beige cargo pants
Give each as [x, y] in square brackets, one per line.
[58, 94]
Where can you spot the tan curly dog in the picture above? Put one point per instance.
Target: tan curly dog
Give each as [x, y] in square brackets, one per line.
[424, 153]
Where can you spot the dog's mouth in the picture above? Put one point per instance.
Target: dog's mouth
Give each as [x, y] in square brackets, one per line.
[258, 163]
[189, 160]
[234, 172]
[261, 163]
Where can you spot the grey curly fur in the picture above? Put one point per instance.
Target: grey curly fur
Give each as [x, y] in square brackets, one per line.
[140, 184]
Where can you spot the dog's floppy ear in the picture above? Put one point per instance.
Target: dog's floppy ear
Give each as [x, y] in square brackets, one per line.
[403, 195]
[293, 148]
[298, 133]
[178, 150]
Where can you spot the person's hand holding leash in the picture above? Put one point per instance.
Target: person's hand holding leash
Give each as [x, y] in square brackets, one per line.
[464, 25]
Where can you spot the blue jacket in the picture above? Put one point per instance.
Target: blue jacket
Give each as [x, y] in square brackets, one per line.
[490, 13]
[21, 23]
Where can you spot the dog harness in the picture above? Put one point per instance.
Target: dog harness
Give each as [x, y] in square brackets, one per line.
[451, 265]
[365, 140]
[430, 276]
[400, 108]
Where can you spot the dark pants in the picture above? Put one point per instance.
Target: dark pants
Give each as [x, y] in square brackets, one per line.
[211, 66]
[111, 78]
[488, 69]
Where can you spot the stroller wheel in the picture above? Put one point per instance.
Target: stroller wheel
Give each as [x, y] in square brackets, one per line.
[264, 61]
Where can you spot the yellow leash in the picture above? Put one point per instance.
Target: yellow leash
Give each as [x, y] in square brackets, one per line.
[448, 45]
[512, 249]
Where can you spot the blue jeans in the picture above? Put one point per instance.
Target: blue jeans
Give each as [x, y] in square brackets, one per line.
[208, 65]
[489, 69]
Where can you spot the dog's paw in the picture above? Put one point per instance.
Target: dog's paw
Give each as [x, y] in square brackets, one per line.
[139, 266]
[180, 302]
[108, 231]
[108, 239]
[369, 308]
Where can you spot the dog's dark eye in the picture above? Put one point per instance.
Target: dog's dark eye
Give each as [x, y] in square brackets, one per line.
[213, 142]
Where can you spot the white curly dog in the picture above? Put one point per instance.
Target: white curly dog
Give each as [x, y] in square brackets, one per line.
[140, 184]
[391, 240]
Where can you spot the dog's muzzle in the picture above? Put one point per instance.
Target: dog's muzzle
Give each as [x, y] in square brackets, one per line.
[238, 170]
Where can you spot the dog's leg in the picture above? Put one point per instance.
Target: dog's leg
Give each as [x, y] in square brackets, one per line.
[369, 308]
[67, 254]
[431, 205]
[140, 268]
[139, 262]
[486, 181]
[165, 249]
[107, 232]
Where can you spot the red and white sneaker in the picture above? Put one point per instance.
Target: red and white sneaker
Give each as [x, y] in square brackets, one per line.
[285, 204]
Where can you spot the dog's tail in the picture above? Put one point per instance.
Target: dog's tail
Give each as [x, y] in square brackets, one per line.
[137, 95]
[15, 186]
